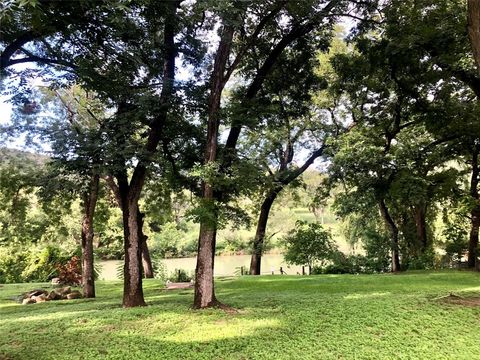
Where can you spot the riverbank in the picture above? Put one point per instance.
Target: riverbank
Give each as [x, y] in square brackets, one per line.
[227, 265]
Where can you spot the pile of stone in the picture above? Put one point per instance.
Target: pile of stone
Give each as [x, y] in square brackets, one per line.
[41, 295]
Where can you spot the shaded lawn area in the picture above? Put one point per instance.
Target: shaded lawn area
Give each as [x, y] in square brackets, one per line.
[280, 317]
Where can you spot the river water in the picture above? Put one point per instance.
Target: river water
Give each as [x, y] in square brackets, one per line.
[224, 265]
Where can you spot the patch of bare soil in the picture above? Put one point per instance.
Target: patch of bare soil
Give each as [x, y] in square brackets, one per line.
[453, 299]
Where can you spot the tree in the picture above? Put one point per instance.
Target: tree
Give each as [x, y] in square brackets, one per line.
[285, 23]
[298, 116]
[309, 244]
[106, 62]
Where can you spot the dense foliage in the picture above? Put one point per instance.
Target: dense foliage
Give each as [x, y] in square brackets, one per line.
[174, 128]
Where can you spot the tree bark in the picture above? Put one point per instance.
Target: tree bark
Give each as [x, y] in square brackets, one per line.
[132, 271]
[89, 204]
[204, 286]
[146, 259]
[393, 235]
[474, 29]
[421, 226]
[475, 212]
[256, 260]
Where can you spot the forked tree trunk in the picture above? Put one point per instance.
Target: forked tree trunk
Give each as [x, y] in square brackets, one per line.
[256, 260]
[89, 204]
[475, 212]
[393, 235]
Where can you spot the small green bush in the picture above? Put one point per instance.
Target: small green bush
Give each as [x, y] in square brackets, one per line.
[180, 275]
[12, 264]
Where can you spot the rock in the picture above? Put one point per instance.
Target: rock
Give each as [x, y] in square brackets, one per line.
[27, 301]
[56, 281]
[63, 291]
[54, 296]
[35, 292]
[74, 295]
[40, 298]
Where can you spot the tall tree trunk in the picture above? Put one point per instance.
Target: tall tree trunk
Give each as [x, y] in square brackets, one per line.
[475, 212]
[256, 260]
[421, 226]
[89, 204]
[204, 286]
[393, 235]
[132, 273]
[474, 28]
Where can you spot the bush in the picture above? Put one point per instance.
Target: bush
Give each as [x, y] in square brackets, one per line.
[425, 261]
[36, 264]
[41, 263]
[352, 264]
[70, 273]
[159, 270]
[180, 275]
[309, 244]
[12, 264]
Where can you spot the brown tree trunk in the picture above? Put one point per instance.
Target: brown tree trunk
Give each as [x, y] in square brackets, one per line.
[256, 260]
[89, 204]
[147, 262]
[146, 259]
[475, 212]
[393, 235]
[204, 286]
[421, 226]
[474, 28]
[132, 273]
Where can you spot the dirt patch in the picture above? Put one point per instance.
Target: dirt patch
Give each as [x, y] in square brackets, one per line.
[453, 299]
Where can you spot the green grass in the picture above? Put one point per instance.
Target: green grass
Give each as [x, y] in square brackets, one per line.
[318, 317]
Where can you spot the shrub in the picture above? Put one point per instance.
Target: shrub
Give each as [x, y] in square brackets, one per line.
[159, 269]
[40, 264]
[70, 273]
[309, 244]
[180, 275]
[12, 264]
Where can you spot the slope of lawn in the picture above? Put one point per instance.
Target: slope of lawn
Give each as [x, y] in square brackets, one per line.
[317, 317]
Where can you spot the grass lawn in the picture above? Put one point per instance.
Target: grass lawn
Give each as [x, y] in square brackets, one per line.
[317, 317]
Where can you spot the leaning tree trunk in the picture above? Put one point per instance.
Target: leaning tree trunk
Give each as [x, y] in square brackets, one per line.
[132, 282]
[88, 272]
[256, 260]
[146, 259]
[393, 235]
[475, 212]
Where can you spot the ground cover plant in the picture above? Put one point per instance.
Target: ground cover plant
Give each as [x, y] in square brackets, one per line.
[406, 316]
